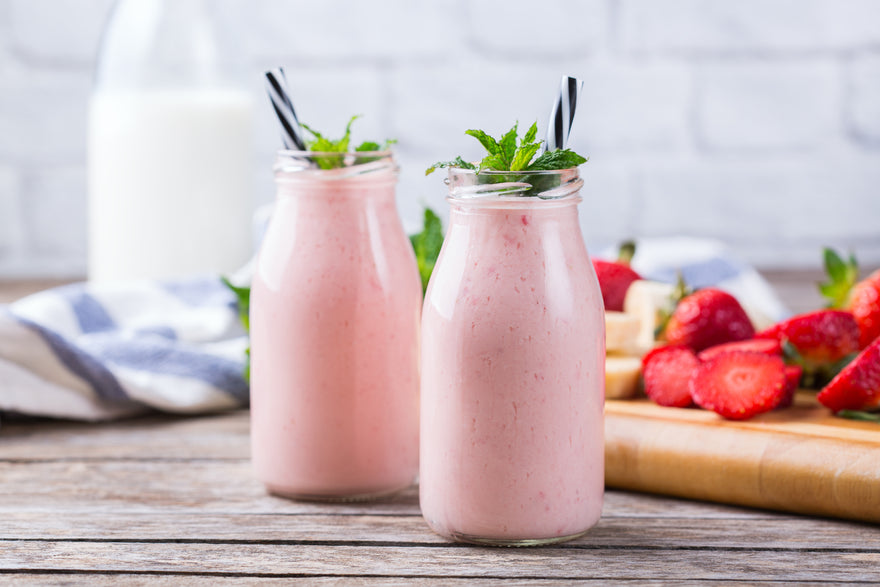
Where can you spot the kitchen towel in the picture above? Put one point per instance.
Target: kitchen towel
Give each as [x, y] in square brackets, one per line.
[98, 352]
[102, 351]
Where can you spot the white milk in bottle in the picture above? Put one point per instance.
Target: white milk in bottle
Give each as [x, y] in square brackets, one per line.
[170, 146]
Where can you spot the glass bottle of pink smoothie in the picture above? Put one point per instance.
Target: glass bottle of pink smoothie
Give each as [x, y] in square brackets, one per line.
[334, 320]
[513, 362]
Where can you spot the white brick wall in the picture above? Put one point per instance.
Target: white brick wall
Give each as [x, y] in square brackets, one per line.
[755, 121]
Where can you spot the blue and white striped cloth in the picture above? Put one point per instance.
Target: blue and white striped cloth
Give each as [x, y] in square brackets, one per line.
[97, 352]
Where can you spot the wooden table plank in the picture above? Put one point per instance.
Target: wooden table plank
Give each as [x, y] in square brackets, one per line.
[570, 562]
[778, 533]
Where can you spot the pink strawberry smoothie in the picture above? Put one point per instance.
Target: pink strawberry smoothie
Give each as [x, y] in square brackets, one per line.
[512, 376]
[334, 340]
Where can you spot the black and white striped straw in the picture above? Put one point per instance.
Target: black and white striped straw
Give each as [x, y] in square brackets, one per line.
[562, 115]
[279, 95]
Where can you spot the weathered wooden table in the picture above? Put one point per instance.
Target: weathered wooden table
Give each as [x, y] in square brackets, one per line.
[172, 500]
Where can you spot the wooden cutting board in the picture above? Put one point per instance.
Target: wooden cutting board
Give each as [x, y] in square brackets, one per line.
[801, 459]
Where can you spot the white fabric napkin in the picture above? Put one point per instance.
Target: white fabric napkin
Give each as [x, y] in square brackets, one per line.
[97, 352]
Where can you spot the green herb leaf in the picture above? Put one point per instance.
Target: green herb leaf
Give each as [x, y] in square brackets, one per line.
[493, 163]
[426, 245]
[558, 159]
[457, 162]
[490, 144]
[243, 301]
[505, 154]
[859, 415]
[367, 146]
[523, 156]
[322, 144]
[842, 276]
[508, 147]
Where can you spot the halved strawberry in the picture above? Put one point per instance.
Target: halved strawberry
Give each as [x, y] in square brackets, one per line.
[706, 318]
[857, 386]
[792, 383]
[615, 277]
[767, 346]
[739, 384]
[666, 371]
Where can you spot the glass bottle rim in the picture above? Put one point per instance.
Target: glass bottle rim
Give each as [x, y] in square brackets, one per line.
[342, 165]
[546, 184]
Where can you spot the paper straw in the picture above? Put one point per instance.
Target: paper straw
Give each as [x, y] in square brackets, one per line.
[279, 95]
[562, 115]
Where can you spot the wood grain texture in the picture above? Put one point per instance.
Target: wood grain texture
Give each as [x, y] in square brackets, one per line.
[801, 459]
[163, 500]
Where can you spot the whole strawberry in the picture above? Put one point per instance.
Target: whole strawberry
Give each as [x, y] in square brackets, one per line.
[862, 298]
[857, 386]
[706, 318]
[615, 277]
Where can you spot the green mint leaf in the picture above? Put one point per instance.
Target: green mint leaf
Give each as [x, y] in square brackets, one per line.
[488, 142]
[531, 134]
[426, 245]
[508, 147]
[493, 163]
[368, 146]
[457, 162]
[558, 159]
[322, 144]
[243, 301]
[524, 156]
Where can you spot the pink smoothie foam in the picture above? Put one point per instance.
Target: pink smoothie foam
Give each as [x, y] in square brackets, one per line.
[513, 377]
[334, 335]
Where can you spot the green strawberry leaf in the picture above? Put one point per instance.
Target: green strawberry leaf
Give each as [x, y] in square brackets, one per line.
[842, 276]
[859, 415]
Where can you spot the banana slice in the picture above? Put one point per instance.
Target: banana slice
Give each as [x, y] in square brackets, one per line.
[647, 300]
[622, 333]
[622, 377]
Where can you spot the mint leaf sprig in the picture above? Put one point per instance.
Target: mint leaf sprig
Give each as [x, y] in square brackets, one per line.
[322, 144]
[426, 245]
[510, 153]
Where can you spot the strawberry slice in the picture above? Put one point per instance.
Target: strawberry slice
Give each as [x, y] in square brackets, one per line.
[857, 386]
[767, 346]
[740, 384]
[666, 371]
[792, 383]
[615, 277]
